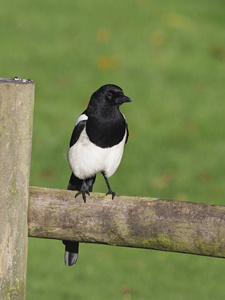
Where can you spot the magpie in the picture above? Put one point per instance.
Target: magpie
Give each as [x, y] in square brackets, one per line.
[96, 146]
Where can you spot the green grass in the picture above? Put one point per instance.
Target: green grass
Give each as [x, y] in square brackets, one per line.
[169, 57]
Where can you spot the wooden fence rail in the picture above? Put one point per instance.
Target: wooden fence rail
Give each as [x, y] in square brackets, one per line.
[138, 222]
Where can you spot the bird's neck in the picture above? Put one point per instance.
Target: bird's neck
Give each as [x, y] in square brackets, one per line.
[104, 112]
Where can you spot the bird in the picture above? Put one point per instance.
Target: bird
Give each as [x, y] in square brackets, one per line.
[96, 146]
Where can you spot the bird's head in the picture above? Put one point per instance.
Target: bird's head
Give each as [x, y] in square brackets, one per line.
[109, 95]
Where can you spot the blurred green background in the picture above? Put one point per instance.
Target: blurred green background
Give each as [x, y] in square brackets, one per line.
[169, 57]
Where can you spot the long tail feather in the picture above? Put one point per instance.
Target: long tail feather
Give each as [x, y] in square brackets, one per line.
[72, 248]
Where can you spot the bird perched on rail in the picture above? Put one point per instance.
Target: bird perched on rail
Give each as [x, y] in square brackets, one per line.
[96, 146]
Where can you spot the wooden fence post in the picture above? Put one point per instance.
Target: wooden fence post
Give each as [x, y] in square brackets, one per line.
[16, 122]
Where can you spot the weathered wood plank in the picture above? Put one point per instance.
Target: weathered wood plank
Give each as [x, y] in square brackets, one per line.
[16, 121]
[139, 222]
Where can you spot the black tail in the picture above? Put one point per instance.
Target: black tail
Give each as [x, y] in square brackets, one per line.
[71, 252]
[72, 248]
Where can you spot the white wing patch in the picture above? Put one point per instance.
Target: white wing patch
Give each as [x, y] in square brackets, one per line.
[82, 117]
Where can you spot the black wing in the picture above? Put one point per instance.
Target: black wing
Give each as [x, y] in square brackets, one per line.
[126, 129]
[127, 134]
[77, 131]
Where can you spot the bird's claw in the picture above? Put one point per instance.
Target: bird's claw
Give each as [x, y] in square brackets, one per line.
[84, 190]
[83, 195]
[110, 192]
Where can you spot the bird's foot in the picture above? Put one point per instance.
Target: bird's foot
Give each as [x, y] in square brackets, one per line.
[84, 190]
[110, 192]
[83, 195]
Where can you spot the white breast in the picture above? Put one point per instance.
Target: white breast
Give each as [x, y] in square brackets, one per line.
[86, 159]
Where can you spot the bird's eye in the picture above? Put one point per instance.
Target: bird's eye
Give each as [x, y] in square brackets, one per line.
[109, 95]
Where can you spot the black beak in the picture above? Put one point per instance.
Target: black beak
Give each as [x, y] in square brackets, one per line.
[122, 99]
[126, 99]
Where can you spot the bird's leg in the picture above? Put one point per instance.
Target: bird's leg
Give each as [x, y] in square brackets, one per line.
[109, 188]
[83, 190]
